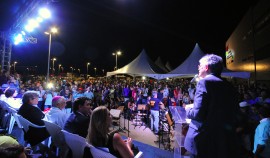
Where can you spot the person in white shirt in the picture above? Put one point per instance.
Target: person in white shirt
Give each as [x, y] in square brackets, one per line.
[56, 114]
[15, 103]
[262, 135]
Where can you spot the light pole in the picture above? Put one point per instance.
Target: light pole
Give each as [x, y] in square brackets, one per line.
[53, 30]
[59, 67]
[79, 71]
[71, 69]
[15, 62]
[87, 68]
[71, 72]
[95, 71]
[116, 54]
[103, 71]
[53, 60]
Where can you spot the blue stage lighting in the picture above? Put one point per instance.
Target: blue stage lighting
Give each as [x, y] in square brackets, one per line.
[23, 33]
[34, 23]
[18, 38]
[39, 19]
[44, 13]
[29, 28]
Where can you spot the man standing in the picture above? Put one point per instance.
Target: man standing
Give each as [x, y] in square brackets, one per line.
[212, 130]
[155, 104]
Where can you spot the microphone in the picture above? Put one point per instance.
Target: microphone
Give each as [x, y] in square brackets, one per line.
[194, 79]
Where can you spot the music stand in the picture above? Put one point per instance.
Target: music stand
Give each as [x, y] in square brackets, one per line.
[122, 110]
[143, 114]
[137, 118]
[116, 116]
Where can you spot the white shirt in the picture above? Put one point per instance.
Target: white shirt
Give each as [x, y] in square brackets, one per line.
[57, 116]
[262, 137]
[15, 103]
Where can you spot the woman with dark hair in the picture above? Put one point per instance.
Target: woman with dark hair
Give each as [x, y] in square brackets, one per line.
[11, 100]
[99, 134]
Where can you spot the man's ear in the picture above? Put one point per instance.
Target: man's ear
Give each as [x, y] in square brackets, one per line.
[206, 67]
[80, 106]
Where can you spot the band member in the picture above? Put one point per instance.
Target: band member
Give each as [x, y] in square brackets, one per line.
[155, 105]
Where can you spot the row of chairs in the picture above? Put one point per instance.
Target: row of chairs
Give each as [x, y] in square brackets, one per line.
[64, 140]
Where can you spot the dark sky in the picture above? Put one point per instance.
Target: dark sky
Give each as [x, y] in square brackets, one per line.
[91, 30]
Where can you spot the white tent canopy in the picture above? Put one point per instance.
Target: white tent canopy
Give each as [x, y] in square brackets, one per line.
[142, 65]
[189, 67]
[159, 63]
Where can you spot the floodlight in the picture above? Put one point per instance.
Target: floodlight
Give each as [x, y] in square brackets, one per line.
[34, 23]
[44, 13]
[23, 33]
[28, 28]
[18, 38]
[39, 19]
[49, 85]
[143, 77]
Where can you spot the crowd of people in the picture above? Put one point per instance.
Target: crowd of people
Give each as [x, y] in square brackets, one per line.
[82, 107]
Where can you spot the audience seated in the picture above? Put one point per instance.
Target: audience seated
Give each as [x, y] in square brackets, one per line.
[78, 121]
[16, 151]
[7, 141]
[32, 113]
[10, 148]
[100, 136]
[56, 114]
[11, 100]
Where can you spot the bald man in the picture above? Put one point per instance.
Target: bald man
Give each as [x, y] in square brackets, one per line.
[56, 113]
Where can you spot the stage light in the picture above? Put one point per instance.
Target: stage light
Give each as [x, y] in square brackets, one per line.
[23, 33]
[39, 19]
[33, 23]
[44, 13]
[18, 38]
[28, 28]
[143, 77]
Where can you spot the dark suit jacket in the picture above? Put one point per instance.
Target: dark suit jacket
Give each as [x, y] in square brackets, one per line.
[77, 124]
[34, 115]
[213, 120]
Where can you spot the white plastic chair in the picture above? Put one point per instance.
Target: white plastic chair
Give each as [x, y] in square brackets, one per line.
[104, 152]
[16, 117]
[76, 143]
[25, 124]
[12, 119]
[57, 136]
[100, 152]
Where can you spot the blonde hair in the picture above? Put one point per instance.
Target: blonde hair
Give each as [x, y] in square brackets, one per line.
[99, 126]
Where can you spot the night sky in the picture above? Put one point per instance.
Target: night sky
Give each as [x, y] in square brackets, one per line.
[91, 30]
